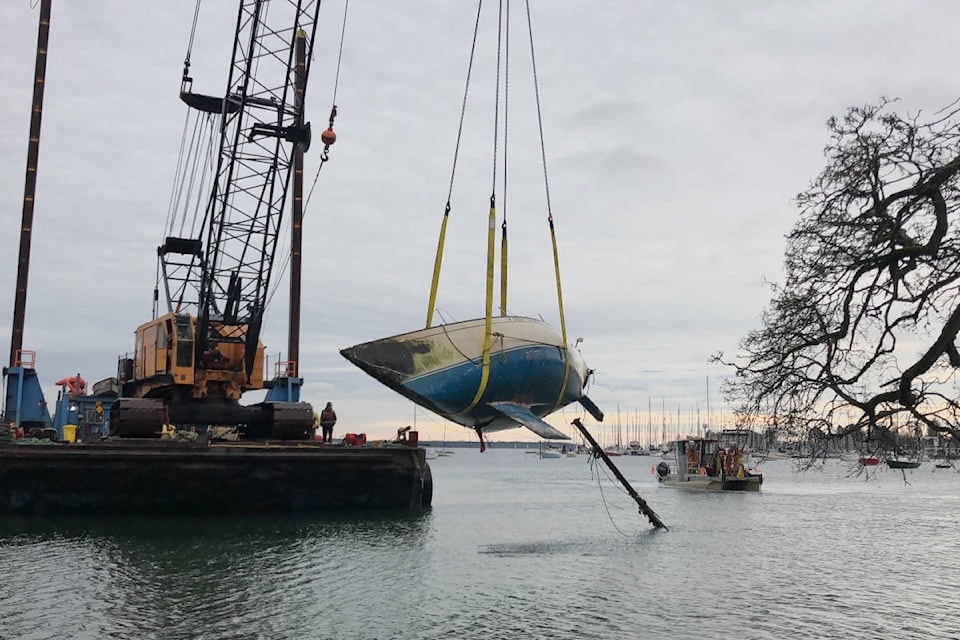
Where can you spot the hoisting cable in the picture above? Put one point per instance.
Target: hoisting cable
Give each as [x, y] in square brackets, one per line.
[506, 123]
[193, 32]
[187, 160]
[174, 195]
[491, 234]
[177, 190]
[328, 137]
[456, 152]
[333, 109]
[189, 186]
[553, 235]
[343, 31]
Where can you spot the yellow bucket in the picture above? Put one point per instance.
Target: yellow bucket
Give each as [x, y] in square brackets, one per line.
[69, 433]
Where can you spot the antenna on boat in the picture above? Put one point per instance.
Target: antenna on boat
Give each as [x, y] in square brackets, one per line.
[709, 418]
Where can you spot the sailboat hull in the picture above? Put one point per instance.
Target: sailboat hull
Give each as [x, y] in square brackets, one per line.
[441, 368]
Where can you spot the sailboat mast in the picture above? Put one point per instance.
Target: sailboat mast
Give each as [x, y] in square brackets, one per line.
[663, 417]
[600, 453]
[649, 422]
[619, 443]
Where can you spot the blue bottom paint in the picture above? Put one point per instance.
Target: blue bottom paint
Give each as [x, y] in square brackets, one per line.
[530, 375]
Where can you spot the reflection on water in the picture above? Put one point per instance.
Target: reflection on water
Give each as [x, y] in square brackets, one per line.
[190, 576]
[514, 547]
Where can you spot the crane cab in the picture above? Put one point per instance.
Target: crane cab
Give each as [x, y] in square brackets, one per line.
[165, 358]
[164, 348]
[169, 381]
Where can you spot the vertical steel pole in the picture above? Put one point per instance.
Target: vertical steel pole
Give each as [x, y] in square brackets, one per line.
[30, 186]
[296, 232]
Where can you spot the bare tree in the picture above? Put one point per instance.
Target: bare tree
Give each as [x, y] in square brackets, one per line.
[861, 337]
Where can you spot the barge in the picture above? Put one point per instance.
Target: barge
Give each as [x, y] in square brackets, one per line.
[161, 476]
[145, 440]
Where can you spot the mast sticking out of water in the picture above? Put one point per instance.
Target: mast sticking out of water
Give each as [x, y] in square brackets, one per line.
[598, 452]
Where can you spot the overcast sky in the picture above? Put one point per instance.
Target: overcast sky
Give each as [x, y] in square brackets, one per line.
[676, 135]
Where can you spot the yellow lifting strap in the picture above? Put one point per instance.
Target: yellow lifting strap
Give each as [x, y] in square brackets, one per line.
[485, 371]
[563, 322]
[436, 266]
[503, 269]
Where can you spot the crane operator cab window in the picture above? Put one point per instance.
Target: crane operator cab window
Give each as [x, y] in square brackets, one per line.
[183, 344]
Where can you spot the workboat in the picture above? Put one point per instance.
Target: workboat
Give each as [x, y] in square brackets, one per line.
[528, 374]
[702, 463]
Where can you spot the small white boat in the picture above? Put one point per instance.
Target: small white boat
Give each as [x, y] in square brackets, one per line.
[701, 463]
[550, 453]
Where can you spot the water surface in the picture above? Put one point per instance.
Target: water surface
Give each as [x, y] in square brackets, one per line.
[514, 547]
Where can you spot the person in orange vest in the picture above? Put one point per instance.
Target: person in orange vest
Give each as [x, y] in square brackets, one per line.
[328, 418]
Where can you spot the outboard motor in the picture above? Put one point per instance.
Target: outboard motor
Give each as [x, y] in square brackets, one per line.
[663, 470]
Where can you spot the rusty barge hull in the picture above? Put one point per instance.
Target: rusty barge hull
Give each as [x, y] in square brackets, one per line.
[179, 477]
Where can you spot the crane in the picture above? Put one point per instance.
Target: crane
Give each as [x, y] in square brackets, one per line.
[192, 362]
